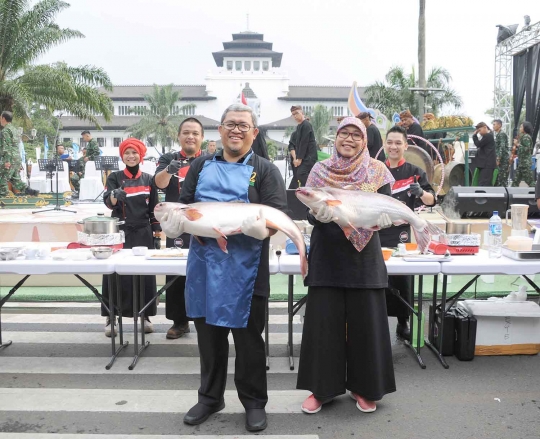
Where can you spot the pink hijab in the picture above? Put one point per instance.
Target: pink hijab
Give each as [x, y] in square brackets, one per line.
[361, 172]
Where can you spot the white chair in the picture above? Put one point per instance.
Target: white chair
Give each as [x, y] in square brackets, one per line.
[38, 180]
[63, 180]
[91, 185]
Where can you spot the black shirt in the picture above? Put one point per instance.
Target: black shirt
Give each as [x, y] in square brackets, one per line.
[486, 156]
[416, 130]
[142, 197]
[306, 146]
[172, 191]
[374, 142]
[268, 189]
[404, 175]
[335, 262]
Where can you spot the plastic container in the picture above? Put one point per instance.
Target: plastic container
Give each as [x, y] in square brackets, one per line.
[387, 253]
[495, 236]
[414, 329]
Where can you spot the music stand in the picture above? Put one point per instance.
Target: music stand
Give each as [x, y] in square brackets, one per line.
[106, 164]
[50, 166]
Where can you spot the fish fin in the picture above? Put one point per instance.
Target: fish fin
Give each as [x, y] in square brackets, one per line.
[219, 232]
[333, 202]
[193, 214]
[423, 237]
[222, 242]
[348, 229]
[271, 225]
[199, 240]
[372, 229]
[349, 187]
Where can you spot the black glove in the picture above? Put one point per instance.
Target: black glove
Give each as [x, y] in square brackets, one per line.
[120, 195]
[416, 190]
[157, 242]
[174, 167]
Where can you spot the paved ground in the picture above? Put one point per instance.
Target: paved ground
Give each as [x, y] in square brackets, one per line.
[53, 385]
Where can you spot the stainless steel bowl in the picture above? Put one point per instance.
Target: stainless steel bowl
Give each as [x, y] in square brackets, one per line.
[102, 252]
[9, 253]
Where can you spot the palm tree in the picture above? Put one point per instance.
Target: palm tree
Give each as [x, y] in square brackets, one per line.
[394, 95]
[422, 53]
[320, 120]
[160, 121]
[26, 33]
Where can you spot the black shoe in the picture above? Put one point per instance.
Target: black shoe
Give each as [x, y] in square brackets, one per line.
[255, 419]
[177, 331]
[31, 192]
[200, 413]
[403, 331]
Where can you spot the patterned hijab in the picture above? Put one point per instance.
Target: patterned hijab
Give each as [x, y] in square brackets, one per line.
[360, 172]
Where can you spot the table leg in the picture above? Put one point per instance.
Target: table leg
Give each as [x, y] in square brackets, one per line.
[418, 315]
[291, 315]
[4, 300]
[266, 333]
[135, 322]
[139, 280]
[119, 308]
[110, 280]
[431, 344]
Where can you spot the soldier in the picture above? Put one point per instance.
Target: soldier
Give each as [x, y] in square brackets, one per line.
[524, 168]
[10, 159]
[502, 151]
[92, 148]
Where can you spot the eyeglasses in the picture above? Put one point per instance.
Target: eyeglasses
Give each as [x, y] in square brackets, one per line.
[355, 136]
[243, 127]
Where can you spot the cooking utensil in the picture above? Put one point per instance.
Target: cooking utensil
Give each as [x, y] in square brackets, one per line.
[101, 224]
[102, 252]
[519, 216]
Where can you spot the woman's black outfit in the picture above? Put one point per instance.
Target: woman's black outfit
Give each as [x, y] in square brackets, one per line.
[138, 213]
[346, 340]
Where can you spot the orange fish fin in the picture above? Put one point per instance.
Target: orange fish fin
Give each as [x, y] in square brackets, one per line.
[193, 214]
[219, 232]
[348, 229]
[349, 187]
[199, 240]
[373, 229]
[271, 225]
[222, 242]
[333, 202]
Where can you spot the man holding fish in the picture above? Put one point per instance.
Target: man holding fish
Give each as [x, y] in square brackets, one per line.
[235, 200]
[412, 188]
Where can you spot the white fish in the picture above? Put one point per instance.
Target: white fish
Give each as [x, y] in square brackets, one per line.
[354, 209]
[219, 220]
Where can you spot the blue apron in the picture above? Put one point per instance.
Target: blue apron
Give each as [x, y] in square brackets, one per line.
[219, 285]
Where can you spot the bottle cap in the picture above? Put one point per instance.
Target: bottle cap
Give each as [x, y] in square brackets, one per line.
[495, 212]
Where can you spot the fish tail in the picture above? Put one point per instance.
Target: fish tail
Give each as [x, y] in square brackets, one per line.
[423, 236]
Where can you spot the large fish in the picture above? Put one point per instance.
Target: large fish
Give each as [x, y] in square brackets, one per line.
[219, 220]
[355, 209]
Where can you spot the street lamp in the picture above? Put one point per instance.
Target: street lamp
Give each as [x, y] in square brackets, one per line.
[31, 137]
[424, 92]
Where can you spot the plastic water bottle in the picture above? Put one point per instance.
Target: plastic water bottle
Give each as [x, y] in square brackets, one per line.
[495, 236]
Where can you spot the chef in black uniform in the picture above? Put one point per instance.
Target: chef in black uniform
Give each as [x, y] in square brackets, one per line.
[412, 188]
[170, 174]
[132, 196]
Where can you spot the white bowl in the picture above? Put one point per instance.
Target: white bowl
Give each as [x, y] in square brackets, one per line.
[139, 251]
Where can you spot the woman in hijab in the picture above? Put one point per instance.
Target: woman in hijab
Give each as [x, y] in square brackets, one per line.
[346, 340]
[132, 195]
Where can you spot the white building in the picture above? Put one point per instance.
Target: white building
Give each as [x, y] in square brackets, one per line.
[247, 65]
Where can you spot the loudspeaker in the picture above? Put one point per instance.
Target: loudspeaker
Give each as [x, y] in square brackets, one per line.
[297, 210]
[475, 201]
[523, 195]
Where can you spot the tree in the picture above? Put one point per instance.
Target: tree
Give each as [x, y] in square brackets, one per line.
[394, 95]
[161, 120]
[26, 33]
[320, 121]
[272, 149]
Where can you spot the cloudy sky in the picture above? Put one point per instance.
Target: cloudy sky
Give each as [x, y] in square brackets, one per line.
[323, 42]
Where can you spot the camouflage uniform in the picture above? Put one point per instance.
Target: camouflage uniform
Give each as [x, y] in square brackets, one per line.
[503, 157]
[524, 170]
[92, 150]
[76, 177]
[9, 153]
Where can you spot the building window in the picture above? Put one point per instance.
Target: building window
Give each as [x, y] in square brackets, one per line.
[256, 65]
[307, 109]
[229, 65]
[67, 139]
[101, 142]
[238, 65]
[247, 65]
[337, 111]
[124, 110]
[265, 66]
[117, 141]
